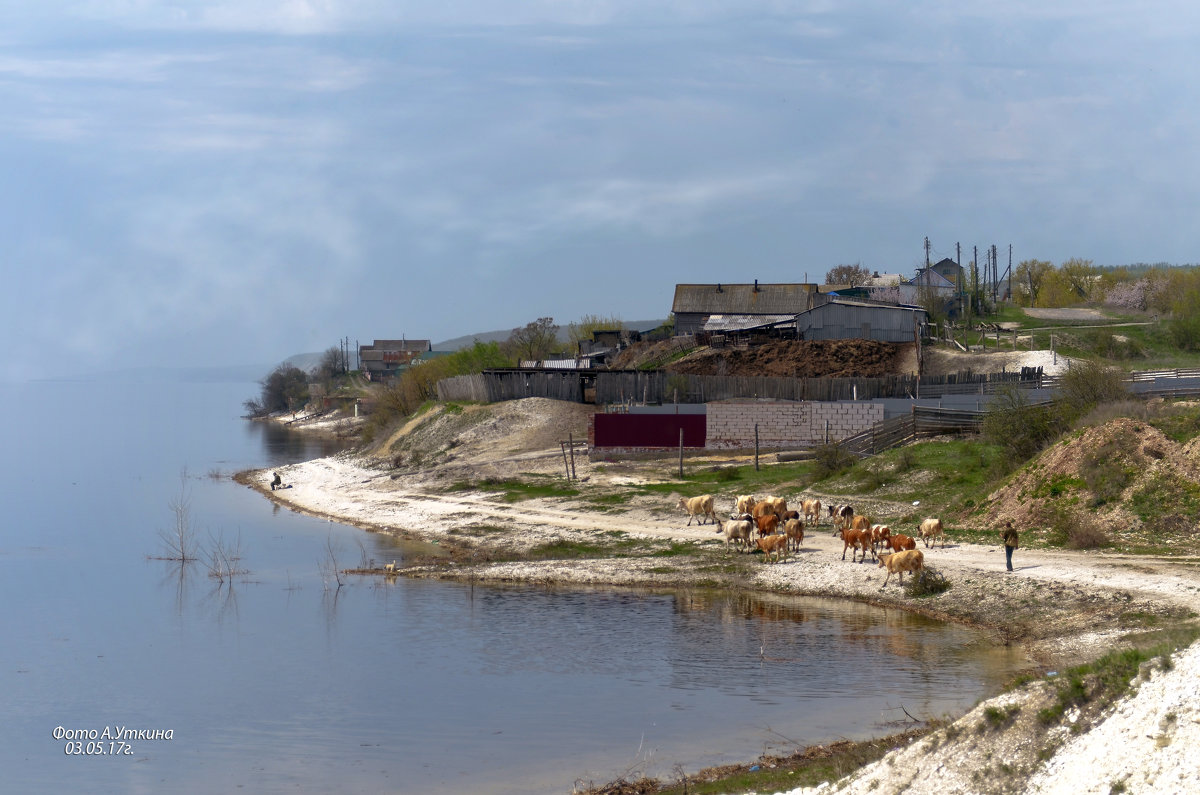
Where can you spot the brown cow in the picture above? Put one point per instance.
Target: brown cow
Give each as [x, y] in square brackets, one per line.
[776, 544]
[931, 530]
[767, 525]
[794, 530]
[899, 562]
[856, 540]
[901, 542]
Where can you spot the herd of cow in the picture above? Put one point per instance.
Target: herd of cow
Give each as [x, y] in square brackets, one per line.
[769, 526]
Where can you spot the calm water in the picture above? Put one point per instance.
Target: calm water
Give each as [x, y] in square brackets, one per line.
[278, 684]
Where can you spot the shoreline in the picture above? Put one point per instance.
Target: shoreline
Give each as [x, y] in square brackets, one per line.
[1062, 607]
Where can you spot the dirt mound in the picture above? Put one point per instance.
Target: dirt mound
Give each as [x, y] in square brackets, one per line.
[798, 359]
[1124, 478]
[471, 435]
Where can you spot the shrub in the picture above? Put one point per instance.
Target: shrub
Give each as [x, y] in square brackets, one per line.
[1074, 529]
[1104, 471]
[927, 582]
[1089, 384]
[1020, 429]
[832, 460]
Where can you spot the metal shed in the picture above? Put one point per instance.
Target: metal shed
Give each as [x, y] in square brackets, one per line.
[843, 320]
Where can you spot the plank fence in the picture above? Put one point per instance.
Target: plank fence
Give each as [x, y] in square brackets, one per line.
[616, 387]
[923, 423]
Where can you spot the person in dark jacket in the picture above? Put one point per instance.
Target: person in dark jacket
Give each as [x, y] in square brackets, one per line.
[1011, 541]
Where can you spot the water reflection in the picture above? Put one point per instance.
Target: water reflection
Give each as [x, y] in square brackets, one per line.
[281, 445]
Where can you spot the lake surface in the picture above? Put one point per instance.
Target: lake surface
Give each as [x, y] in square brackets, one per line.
[279, 683]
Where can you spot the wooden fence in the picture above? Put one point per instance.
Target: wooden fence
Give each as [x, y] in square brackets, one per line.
[922, 423]
[657, 386]
[490, 387]
[660, 387]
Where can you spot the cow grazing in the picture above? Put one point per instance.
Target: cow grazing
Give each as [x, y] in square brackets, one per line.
[899, 562]
[701, 506]
[931, 530]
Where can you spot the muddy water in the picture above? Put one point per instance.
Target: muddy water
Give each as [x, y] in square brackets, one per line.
[280, 681]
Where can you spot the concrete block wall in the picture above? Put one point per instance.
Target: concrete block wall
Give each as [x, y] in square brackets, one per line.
[785, 423]
[845, 418]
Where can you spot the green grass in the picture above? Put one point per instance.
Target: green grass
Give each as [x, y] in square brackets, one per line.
[807, 768]
[1179, 423]
[542, 486]
[939, 473]
[1109, 677]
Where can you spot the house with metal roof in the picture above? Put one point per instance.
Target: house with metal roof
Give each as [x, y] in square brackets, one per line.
[747, 305]
[386, 358]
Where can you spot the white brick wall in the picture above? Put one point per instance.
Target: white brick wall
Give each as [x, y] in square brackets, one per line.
[781, 424]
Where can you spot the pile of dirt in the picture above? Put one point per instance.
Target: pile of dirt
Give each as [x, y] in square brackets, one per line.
[799, 359]
[481, 434]
[1124, 478]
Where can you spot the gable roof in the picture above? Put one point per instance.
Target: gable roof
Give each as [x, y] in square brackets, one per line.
[931, 278]
[743, 299]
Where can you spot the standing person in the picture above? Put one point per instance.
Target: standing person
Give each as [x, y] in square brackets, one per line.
[1009, 534]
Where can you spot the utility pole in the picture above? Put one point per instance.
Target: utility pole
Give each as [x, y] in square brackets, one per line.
[995, 274]
[1010, 295]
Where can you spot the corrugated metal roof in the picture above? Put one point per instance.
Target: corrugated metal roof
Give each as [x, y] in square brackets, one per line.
[742, 299]
[744, 322]
[557, 364]
[399, 345]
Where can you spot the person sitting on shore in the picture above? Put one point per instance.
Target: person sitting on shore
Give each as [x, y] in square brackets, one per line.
[277, 482]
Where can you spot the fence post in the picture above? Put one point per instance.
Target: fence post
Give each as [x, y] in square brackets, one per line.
[571, 442]
[681, 453]
[756, 447]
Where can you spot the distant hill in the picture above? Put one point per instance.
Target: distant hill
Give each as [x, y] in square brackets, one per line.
[467, 341]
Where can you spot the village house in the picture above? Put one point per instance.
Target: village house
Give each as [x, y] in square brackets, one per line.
[384, 359]
[734, 307]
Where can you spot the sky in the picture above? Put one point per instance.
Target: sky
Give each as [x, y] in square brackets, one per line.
[232, 182]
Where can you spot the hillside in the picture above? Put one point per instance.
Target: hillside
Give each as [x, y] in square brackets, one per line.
[1123, 481]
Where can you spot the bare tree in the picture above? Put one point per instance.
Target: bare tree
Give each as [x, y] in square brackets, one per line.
[329, 566]
[852, 275]
[179, 542]
[222, 557]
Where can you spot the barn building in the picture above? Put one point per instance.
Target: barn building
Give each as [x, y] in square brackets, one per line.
[753, 304]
